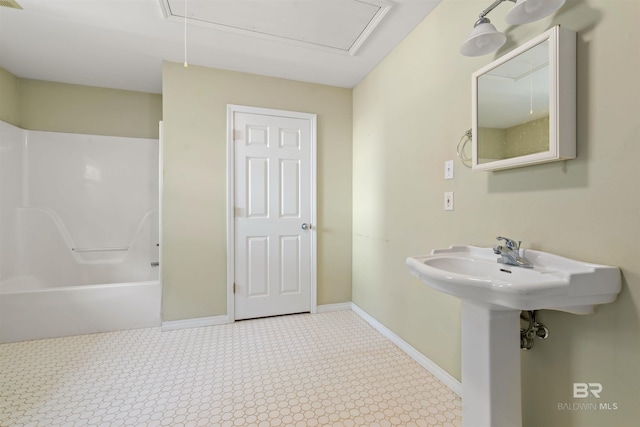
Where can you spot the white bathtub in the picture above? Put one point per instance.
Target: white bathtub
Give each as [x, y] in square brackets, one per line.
[73, 310]
[79, 234]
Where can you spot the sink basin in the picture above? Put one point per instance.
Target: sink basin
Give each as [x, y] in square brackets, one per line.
[473, 274]
[492, 295]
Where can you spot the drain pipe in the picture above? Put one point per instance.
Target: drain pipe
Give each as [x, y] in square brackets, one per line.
[533, 330]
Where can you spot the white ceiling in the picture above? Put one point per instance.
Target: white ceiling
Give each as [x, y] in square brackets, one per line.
[122, 43]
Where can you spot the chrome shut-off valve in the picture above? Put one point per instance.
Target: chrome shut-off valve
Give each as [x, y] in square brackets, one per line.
[534, 329]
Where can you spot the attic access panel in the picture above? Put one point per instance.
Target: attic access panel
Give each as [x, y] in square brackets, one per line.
[336, 25]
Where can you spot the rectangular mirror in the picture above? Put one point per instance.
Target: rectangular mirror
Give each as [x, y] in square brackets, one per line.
[524, 104]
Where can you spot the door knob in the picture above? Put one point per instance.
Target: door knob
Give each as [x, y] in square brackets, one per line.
[306, 226]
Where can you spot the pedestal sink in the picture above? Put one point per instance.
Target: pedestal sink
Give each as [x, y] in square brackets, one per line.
[492, 296]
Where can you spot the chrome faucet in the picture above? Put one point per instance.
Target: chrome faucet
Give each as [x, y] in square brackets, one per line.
[510, 253]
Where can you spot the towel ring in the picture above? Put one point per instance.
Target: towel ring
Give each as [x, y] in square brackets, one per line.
[464, 140]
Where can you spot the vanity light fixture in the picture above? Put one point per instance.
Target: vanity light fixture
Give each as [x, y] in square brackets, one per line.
[484, 37]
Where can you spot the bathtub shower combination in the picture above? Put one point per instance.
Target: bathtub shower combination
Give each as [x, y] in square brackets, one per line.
[79, 234]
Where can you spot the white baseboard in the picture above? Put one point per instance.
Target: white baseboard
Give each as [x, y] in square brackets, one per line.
[424, 361]
[198, 322]
[341, 306]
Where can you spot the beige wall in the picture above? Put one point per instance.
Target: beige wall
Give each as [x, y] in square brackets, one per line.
[526, 138]
[61, 107]
[493, 144]
[409, 115]
[9, 98]
[194, 197]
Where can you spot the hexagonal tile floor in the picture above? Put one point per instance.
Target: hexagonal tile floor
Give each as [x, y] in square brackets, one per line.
[329, 369]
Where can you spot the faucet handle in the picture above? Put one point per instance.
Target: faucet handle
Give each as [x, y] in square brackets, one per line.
[511, 244]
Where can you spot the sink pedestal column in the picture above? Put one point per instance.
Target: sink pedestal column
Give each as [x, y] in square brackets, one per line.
[491, 394]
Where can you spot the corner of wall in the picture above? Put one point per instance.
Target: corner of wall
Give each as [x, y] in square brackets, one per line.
[9, 98]
[63, 107]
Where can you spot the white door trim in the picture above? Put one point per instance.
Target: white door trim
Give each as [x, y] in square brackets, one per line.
[231, 109]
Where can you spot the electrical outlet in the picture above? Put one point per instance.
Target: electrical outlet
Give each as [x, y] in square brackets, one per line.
[448, 169]
[448, 201]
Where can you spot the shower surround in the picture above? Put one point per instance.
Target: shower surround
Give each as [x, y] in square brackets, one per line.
[79, 231]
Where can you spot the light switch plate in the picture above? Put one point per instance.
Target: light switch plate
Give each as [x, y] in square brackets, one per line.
[448, 169]
[448, 201]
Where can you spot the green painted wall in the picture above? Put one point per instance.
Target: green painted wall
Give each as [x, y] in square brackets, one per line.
[9, 98]
[61, 107]
[194, 197]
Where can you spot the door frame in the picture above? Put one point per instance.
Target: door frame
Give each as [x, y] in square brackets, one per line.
[231, 226]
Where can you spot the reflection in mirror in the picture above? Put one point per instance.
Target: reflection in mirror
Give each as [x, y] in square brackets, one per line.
[524, 104]
[513, 107]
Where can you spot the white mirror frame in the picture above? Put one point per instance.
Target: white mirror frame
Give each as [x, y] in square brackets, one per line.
[562, 101]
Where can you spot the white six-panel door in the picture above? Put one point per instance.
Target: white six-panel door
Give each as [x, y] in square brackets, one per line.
[274, 206]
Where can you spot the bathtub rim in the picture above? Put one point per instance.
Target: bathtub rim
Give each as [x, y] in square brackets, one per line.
[76, 287]
[79, 310]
